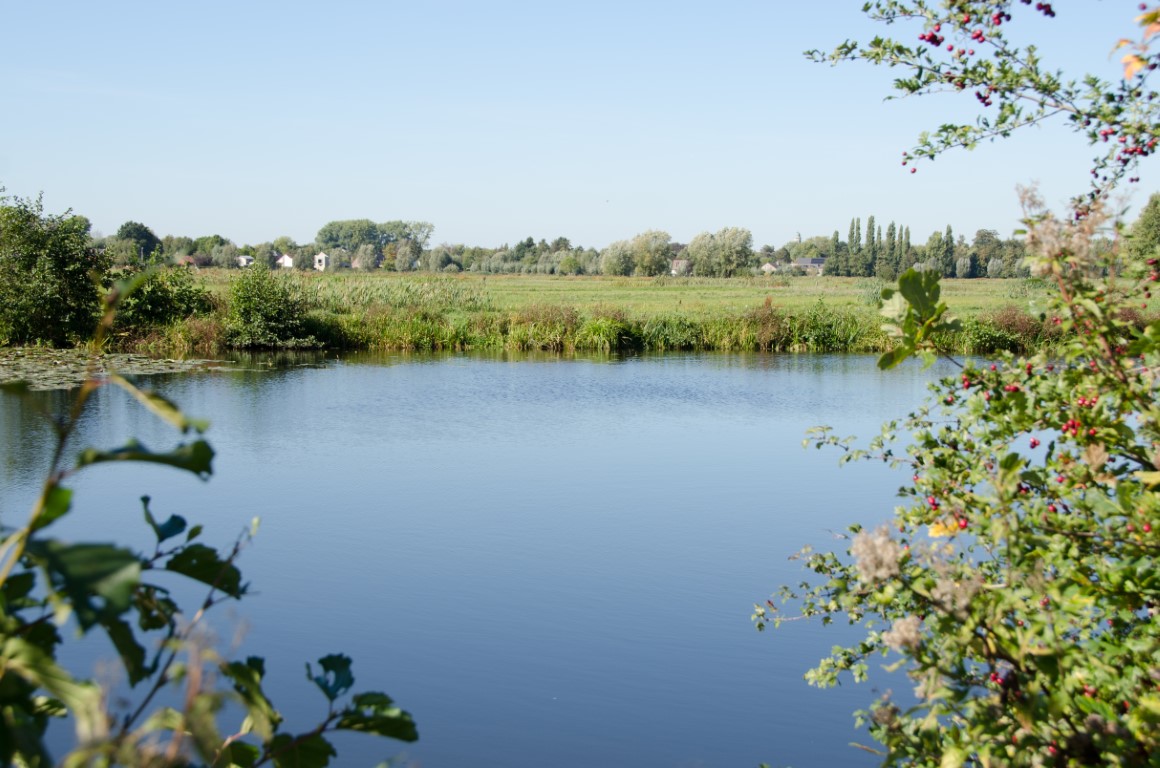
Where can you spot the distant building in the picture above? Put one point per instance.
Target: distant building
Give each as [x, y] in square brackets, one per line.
[680, 267]
[285, 261]
[812, 266]
[321, 262]
[768, 268]
[245, 261]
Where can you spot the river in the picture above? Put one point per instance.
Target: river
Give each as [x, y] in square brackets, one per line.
[547, 561]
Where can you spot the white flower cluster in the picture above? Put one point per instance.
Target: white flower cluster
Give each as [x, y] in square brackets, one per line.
[903, 634]
[1051, 237]
[954, 597]
[876, 555]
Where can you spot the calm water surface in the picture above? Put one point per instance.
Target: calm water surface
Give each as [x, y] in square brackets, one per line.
[548, 562]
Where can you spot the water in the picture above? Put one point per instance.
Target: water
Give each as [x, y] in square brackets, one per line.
[547, 562]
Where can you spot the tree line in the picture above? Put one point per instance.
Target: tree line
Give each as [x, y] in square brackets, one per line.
[869, 250]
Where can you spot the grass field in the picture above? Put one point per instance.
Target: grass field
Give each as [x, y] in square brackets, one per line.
[694, 296]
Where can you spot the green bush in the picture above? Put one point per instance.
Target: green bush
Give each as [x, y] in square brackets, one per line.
[50, 276]
[158, 297]
[266, 310]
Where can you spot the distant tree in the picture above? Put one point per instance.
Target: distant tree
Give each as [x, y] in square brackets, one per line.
[946, 263]
[651, 253]
[224, 255]
[569, 265]
[143, 239]
[285, 245]
[1144, 236]
[303, 256]
[934, 251]
[174, 247]
[366, 257]
[267, 254]
[724, 254]
[349, 234]
[617, 259]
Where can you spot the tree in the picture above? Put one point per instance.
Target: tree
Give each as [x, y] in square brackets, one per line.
[987, 247]
[1144, 236]
[50, 275]
[723, 254]
[1017, 585]
[349, 234]
[142, 238]
[651, 253]
[616, 259]
[946, 262]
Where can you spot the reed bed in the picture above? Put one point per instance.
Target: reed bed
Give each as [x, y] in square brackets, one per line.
[421, 312]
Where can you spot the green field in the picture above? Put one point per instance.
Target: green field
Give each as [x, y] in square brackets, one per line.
[651, 295]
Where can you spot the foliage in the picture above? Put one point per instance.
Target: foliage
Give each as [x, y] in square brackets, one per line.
[1017, 584]
[49, 276]
[160, 296]
[1144, 237]
[1021, 590]
[266, 309]
[143, 241]
[965, 48]
[721, 254]
[48, 584]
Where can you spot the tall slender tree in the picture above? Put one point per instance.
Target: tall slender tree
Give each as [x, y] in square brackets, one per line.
[947, 258]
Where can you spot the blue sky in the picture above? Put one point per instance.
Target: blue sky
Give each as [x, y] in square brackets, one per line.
[501, 120]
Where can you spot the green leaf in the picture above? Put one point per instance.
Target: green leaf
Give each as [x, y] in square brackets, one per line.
[202, 563]
[161, 407]
[247, 679]
[174, 526]
[336, 677]
[375, 713]
[310, 751]
[17, 588]
[57, 502]
[195, 457]
[131, 653]
[895, 356]
[86, 573]
[241, 755]
[40, 670]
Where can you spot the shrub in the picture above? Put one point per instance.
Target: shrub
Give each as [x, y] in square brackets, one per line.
[266, 310]
[50, 276]
[158, 297]
[1017, 584]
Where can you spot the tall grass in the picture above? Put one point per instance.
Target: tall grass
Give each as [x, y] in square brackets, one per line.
[438, 312]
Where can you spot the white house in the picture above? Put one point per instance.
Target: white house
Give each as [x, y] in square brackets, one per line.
[245, 261]
[285, 261]
[768, 268]
[321, 262]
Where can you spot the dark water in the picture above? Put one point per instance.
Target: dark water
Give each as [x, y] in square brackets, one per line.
[548, 562]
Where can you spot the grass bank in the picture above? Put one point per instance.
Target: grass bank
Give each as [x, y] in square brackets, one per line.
[421, 312]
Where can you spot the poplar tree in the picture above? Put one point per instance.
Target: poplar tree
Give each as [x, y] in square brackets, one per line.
[947, 261]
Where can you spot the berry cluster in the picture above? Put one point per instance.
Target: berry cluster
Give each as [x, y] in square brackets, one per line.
[1044, 8]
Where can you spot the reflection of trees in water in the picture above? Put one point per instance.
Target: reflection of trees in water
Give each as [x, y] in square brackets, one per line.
[27, 434]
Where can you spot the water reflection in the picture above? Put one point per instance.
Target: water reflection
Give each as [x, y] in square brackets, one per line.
[549, 562]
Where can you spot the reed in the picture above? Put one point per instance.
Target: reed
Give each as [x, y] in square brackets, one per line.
[422, 312]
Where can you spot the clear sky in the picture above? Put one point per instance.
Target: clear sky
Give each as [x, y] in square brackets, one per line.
[497, 121]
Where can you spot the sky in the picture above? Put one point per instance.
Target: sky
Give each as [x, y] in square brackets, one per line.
[502, 120]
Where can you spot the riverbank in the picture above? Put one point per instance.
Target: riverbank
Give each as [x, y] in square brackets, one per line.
[388, 311]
